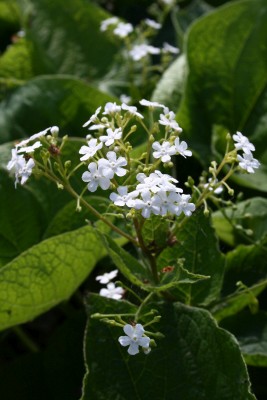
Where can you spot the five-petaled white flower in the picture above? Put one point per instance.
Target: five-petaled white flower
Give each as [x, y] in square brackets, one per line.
[112, 166]
[181, 148]
[152, 24]
[111, 136]
[163, 151]
[90, 150]
[24, 171]
[112, 292]
[168, 119]
[29, 149]
[93, 118]
[111, 108]
[107, 276]
[131, 110]
[151, 104]
[140, 51]
[135, 338]
[95, 178]
[248, 163]
[242, 143]
[123, 198]
[123, 29]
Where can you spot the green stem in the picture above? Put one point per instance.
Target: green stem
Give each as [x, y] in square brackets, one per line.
[25, 339]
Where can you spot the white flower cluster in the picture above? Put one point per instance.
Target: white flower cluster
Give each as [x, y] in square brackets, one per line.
[21, 163]
[110, 291]
[120, 29]
[246, 161]
[142, 50]
[155, 193]
[135, 338]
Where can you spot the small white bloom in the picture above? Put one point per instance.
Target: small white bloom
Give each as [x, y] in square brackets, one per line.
[184, 205]
[134, 338]
[123, 29]
[151, 104]
[94, 178]
[111, 136]
[248, 163]
[54, 130]
[168, 119]
[112, 292]
[168, 48]
[163, 151]
[152, 24]
[93, 118]
[181, 148]
[211, 183]
[167, 202]
[131, 110]
[99, 126]
[107, 277]
[24, 171]
[112, 166]
[33, 137]
[111, 108]
[30, 149]
[125, 99]
[157, 181]
[123, 198]
[140, 51]
[17, 160]
[147, 204]
[242, 143]
[107, 22]
[90, 150]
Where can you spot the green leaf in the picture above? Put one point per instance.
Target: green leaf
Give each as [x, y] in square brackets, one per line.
[45, 101]
[251, 333]
[22, 220]
[170, 88]
[66, 37]
[225, 85]
[46, 274]
[15, 63]
[246, 222]
[198, 246]
[196, 359]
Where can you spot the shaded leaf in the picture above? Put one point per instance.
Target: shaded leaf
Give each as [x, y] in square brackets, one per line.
[204, 352]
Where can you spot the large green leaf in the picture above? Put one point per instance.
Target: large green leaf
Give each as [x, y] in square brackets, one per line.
[251, 333]
[198, 246]
[49, 100]
[195, 360]
[225, 85]
[66, 37]
[46, 274]
[245, 222]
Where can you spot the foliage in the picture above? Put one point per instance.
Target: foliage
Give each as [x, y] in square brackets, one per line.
[197, 283]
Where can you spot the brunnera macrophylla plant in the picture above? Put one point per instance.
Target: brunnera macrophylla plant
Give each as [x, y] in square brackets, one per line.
[140, 187]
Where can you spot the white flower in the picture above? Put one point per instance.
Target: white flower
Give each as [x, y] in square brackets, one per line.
[134, 338]
[167, 202]
[111, 136]
[17, 160]
[111, 108]
[123, 29]
[211, 183]
[107, 22]
[94, 178]
[163, 151]
[112, 292]
[33, 137]
[147, 204]
[131, 110]
[54, 130]
[181, 148]
[30, 149]
[151, 104]
[107, 277]
[140, 51]
[93, 118]
[24, 171]
[96, 127]
[248, 163]
[157, 181]
[125, 99]
[168, 119]
[123, 197]
[112, 166]
[152, 24]
[90, 150]
[167, 48]
[184, 205]
[243, 143]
